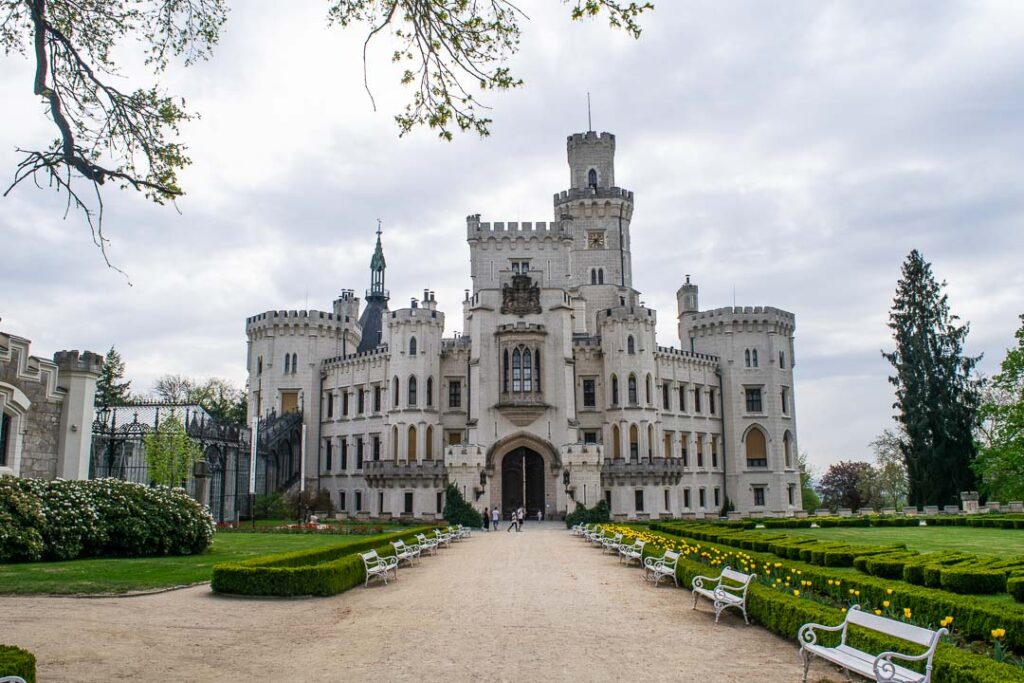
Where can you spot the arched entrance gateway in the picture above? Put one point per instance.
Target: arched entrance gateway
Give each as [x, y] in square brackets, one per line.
[522, 481]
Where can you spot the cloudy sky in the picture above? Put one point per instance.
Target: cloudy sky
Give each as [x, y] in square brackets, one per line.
[792, 152]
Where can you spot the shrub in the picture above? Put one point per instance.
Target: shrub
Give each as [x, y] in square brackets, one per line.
[319, 571]
[98, 518]
[17, 662]
[972, 579]
[1015, 587]
[458, 511]
[269, 506]
[599, 514]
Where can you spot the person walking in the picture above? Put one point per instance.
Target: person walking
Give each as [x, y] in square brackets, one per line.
[521, 514]
[514, 522]
[495, 515]
[487, 520]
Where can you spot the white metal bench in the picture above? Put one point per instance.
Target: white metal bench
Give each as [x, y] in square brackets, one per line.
[880, 667]
[377, 566]
[595, 535]
[427, 545]
[634, 551]
[406, 553]
[12, 679]
[657, 568]
[611, 544]
[463, 531]
[443, 537]
[728, 589]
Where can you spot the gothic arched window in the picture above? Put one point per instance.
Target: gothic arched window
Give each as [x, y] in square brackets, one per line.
[412, 390]
[527, 371]
[592, 178]
[632, 390]
[517, 371]
[650, 396]
[504, 380]
[600, 276]
[630, 345]
[615, 390]
[295, 363]
[430, 391]
[753, 356]
[746, 357]
[593, 276]
[287, 363]
[394, 390]
[412, 346]
[536, 369]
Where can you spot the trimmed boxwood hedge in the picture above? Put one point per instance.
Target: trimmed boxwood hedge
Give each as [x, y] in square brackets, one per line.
[975, 617]
[971, 579]
[320, 571]
[1015, 587]
[17, 662]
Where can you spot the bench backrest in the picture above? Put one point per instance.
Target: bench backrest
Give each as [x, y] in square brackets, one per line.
[370, 557]
[738, 577]
[671, 557]
[909, 632]
[399, 544]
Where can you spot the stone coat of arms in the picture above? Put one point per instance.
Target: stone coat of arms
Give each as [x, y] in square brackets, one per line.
[522, 297]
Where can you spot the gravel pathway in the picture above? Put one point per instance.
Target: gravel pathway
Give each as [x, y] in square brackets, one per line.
[535, 606]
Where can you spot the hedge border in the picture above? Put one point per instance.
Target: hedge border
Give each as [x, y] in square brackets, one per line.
[319, 571]
[17, 662]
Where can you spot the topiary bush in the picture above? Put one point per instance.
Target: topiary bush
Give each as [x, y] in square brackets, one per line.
[458, 511]
[1015, 587]
[973, 579]
[17, 662]
[64, 520]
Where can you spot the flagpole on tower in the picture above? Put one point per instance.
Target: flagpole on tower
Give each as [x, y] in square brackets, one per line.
[590, 125]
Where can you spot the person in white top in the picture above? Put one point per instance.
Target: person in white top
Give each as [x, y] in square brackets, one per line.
[494, 517]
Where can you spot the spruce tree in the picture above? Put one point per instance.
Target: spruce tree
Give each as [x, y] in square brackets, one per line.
[936, 398]
[110, 390]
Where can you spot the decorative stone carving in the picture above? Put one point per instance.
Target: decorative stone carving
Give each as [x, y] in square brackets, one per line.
[522, 297]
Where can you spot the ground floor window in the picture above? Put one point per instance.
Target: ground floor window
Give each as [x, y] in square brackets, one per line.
[608, 499]
[407, 507]
[341, 500]
[718, 501]
[686, 498]
[359, 501]
[790, 491]
[455, 438]
[440, 502]
[703, 498]
[667, 506]
[380, 501]
[759, 496]
[638, 496]
[589, 437]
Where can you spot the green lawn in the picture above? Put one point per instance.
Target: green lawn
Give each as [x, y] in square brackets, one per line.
[131, 574]
[978, 540]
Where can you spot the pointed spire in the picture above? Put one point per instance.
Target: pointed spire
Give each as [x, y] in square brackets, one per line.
[377, 267]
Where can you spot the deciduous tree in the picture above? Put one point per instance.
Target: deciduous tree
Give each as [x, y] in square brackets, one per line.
[1000, 462]
[110, 132]
[842, 486]
[810, 498]
[936, 397]
[170, 452]
[889, 481]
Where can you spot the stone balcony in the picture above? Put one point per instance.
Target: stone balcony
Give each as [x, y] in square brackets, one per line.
[667, 471]
[382, 473]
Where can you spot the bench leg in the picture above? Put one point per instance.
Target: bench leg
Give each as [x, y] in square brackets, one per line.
[718, 610]
[745, 620]
[695, 596]
[805, 656]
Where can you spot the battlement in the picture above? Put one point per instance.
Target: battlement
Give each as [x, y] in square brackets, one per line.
[73, 361]
[377, 353]
[729, 317]
[297, 318]
[691, 355]
[638, 313]
[591, 137]
[416, 314]
[520, 327]
[574, 194]
[475, 229]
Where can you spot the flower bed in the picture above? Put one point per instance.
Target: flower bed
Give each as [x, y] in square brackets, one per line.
[321, 572]
[783, 606]
[17, 662]
[64, 520]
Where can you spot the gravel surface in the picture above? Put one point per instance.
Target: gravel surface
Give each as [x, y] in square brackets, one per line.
[541, 605]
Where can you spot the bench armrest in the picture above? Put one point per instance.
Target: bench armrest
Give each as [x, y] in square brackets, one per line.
[807, 635]
[698, 581]
[884, 668]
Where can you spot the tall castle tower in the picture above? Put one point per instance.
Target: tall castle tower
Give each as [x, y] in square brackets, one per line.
[597, 214]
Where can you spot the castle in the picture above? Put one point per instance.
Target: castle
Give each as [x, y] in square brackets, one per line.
[555, 393]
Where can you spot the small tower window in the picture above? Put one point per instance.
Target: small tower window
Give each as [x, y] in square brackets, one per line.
[592, 178]
[753, 356]
[615, 392]
[412, 390]
[287, 363]
[593, 276]
[430, 391]
[746, 357]
[395, 390]
[630, 345]
[412, 346]
[600, 276]
[632, 390]
[295, 363]
[782, 359]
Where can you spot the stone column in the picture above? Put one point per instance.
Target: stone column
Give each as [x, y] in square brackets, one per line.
[77, 375]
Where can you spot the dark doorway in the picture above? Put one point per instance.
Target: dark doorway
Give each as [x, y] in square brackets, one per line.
[513, 481]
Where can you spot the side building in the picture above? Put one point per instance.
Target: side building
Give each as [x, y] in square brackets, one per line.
[555, 393]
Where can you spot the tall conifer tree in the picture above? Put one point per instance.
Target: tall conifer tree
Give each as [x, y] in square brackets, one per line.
[936, 398]
[110, 390]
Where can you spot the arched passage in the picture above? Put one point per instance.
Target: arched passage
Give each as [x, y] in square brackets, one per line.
[522, 481]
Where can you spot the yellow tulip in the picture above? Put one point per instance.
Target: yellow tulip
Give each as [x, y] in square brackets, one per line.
[796, 593]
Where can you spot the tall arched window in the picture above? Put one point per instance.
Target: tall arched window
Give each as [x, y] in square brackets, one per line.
[616, 442]
[630, 345]
[295, 363]
[592, 178]
[650, 394]
[430, 443]
[430, 392]
[412, 346]
[412, 390]
[517, 371]
[757, 448]
[504, 372]
[593, 276]
[650, 442]
[394, 443]
[395, 391]
[536, 370]
[782, 360]
[615, 392]
[746, 357]
[527, 371]
[632, 390]
[634, 443]
[753, 357]
[600, 276]
[412, 443]
[287, 363]
[787, 448]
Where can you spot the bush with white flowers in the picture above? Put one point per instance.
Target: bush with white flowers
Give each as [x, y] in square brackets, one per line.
[62, 520]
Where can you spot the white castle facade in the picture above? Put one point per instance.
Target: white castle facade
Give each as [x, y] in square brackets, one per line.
[555, 393]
